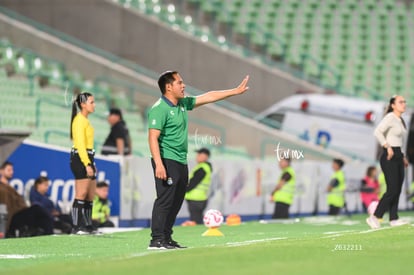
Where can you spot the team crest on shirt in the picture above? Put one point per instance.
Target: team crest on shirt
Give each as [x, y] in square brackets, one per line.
[172, 112]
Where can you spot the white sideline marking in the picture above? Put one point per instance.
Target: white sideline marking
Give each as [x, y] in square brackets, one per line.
[321, 221]
[136, 255]
[350, 222]
[373, 230]
[255, 241]
[31, 256]
[338, 232]
[280, 221]
[16, 256]
[142, 254]
[109, 230]
[332, 236]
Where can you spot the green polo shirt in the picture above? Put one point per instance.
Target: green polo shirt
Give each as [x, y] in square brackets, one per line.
[172, 121]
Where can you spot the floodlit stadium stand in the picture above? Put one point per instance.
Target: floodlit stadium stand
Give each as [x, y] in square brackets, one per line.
[354, 47]
[50, 76]
[37, 93]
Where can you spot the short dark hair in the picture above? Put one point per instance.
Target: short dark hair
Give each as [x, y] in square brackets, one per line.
[6, 163]
[101, 184]
[165, 78]
[370, 169]
[203, 151]
[40, 180]
[288, 159]
[116, 111]
[340, 162]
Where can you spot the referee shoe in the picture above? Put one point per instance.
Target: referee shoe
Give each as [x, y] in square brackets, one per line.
[160, 245]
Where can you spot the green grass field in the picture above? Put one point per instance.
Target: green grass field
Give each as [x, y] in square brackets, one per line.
[316, 245]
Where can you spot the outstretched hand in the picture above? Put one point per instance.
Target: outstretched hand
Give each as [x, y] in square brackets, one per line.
[243, 85]
[213, 96]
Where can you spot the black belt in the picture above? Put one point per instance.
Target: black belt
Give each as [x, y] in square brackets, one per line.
[89, 151]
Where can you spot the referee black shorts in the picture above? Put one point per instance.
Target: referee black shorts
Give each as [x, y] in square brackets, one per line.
[78, 168]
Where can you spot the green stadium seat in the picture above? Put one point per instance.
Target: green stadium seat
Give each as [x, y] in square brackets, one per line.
[331, 31]
[45, 110]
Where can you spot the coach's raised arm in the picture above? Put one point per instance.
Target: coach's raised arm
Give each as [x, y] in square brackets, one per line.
[213, 96]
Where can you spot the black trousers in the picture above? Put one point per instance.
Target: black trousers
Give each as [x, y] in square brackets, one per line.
[334, 210]
[281, 211]
[196, 209]
[31, 221]
[394, 177]
[169, 199]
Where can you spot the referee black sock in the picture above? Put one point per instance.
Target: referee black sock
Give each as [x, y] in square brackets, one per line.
[88, 212]
[78, 213]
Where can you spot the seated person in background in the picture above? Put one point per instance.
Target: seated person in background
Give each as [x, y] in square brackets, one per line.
[38, 196]
[370, 188]
[101, 210]
[22, 221]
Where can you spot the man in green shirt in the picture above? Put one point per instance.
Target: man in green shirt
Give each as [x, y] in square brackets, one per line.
[168, 142]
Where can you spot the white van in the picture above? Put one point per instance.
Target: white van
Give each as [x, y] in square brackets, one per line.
[345, 124]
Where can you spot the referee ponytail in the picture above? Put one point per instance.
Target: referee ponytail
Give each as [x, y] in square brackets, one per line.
[81, 98]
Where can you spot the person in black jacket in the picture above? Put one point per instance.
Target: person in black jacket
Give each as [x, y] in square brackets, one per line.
[118, 141]
[38, 196]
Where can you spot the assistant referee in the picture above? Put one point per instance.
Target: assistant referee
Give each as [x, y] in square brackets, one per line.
[168, 142]
[82, 164]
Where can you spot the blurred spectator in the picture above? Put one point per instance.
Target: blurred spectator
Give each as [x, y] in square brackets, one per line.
[6, 172]
[101, 210]
[198, 186]
[38, 196]
[336, 188]
[22, 221]
[369, 188]
[284, 191]
[118, 141]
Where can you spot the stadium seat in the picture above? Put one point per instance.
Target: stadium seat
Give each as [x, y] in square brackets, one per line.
[45, 109]
[330, 31]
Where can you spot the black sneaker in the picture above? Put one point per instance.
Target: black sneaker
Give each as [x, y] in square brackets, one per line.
[79, 231]
[175, 244]
[160, 245]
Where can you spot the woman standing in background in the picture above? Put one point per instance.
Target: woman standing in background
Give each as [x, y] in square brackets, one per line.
[390, 133]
